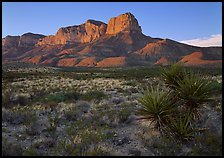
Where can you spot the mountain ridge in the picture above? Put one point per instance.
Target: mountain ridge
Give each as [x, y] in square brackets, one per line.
[91, 43]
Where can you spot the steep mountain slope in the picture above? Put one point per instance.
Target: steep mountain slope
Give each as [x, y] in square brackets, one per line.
[94, 43]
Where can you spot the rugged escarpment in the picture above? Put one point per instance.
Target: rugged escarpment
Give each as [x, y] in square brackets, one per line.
[97, 44]
[84, 33]
[123, 22]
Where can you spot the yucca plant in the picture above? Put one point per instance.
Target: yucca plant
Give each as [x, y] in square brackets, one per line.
[172, 75]
[157, 105]
[181, 127]
[193, 90]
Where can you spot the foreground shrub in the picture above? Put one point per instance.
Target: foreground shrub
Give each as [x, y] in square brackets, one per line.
[194, 90]
[181, 127]
[172, 75]
[157, 106]
[174, 111]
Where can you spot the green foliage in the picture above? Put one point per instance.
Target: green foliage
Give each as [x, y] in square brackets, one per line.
[31, 151]
[181, 127]
[174, 111]
[216, 86]
[84, 134]
[194, 90]
[157, 106]
[61, 97]
[93, 95]
[207, 144]
[172, 75]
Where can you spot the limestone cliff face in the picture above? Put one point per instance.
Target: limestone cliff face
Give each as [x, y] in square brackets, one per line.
[26, 40]
[10, 41]
[96, 44]
[29, 39]
[123, 22]
[84, 33]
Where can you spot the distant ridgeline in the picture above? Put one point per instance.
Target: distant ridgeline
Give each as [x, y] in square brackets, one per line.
[96, 44]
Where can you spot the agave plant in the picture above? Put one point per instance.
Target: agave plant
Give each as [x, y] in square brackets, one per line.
[172, 75]
[157, 105]
[194, 90]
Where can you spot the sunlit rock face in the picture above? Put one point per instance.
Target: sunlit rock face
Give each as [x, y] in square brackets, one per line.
[84, 33]
[123, 22]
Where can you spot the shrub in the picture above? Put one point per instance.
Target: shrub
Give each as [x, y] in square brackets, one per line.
[193, 90]
[31, 152]
[175, 110]
[181, 127]
[61, 96]
[216, 86]
[157, 106]
[93, 95]
[57, 97]
[172, 75]
[21, 100]
[73, 113]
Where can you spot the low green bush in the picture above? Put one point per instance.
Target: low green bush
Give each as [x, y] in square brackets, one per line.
[93, 95]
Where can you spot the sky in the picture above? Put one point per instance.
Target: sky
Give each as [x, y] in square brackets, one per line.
[195, 23]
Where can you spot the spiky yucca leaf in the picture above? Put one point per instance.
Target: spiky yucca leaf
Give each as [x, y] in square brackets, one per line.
[181, 127]
[172, 74]
[157, 105]
[194, 90]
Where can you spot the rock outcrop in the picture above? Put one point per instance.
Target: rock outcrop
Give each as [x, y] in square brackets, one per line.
[84, 33]
[29, 39]
[10, 41]
[123, 22]
[26, 40]
[112, 62]
[96, 44]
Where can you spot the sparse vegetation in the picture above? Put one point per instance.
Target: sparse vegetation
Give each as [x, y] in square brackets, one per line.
[90, 111]
[175, 110]
[93, 95]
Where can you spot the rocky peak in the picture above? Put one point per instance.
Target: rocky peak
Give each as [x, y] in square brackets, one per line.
[94, 22]
[123, 22]
[10, 41]
[29, 39]
[84, 33]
